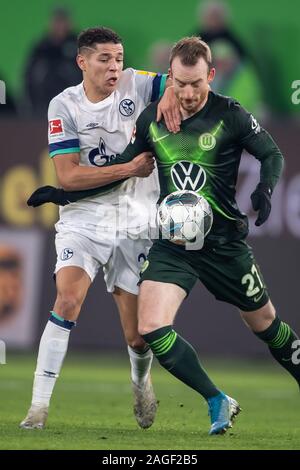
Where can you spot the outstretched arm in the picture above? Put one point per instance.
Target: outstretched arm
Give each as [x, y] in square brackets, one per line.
[143, 166]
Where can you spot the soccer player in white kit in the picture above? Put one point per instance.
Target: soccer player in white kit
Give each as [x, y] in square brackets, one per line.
[89, 124]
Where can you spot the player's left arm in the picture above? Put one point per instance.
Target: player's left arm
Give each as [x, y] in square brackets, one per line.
[258, 142]
[152, 86]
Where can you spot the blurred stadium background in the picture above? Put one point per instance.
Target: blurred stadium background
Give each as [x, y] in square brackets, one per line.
[269, 33]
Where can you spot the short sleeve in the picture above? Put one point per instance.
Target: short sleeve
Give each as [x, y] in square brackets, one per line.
[150, 86]
[62, 132]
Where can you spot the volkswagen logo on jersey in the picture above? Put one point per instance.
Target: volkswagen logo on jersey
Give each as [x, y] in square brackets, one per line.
[188, 176]
[127, 107]
[207, 141]
[67, 253]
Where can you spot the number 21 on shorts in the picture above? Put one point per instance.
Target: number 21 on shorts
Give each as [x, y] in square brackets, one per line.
[253, 282]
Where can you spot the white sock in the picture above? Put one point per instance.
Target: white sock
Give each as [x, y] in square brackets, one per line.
[140, 365]
[52, 350]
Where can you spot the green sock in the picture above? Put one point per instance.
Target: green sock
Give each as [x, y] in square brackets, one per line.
[280, 339]
[180, 359]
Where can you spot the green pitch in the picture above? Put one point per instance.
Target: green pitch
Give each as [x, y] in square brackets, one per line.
[92, 408]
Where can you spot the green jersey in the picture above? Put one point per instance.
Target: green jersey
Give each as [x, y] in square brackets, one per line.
[205, 155]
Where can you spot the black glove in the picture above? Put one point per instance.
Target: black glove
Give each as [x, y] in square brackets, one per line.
[48, 194]
[261, 202]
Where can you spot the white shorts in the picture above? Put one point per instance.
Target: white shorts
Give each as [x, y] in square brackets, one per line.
[121, 259]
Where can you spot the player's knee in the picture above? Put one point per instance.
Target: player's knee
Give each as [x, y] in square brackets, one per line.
[132, 337]
[148, 326]
[269, 313]
[136, 343]
[67, 306]
[261, 319]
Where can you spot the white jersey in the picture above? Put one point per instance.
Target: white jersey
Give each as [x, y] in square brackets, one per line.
[99, 132]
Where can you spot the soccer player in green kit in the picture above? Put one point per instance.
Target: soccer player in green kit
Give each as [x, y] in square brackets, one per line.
[204, 157]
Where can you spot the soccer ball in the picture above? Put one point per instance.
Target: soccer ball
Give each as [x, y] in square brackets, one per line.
[184, 216]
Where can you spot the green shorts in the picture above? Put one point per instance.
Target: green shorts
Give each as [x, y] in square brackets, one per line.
[228, 271]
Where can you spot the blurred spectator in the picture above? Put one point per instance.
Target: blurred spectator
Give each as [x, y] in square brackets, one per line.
[236, 74]
[237, 78]
[213, 23]
[51, 66]
[159, 55]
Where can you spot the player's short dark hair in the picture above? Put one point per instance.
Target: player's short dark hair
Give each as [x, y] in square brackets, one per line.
[101, 35]
[189, 50]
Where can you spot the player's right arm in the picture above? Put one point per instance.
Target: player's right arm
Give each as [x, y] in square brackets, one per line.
[73, 177]
[136, 160]
[64, 148]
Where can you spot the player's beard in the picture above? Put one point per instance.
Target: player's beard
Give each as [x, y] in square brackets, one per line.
[194, 105]
[190, 106]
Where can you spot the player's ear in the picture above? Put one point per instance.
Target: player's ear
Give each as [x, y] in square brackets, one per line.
[170, 75]
[80, 59]
[211, 75]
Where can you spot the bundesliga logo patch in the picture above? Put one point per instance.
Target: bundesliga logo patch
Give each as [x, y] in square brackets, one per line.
[56, 128]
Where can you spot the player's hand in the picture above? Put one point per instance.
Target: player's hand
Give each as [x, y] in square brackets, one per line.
[261, 202]
[168, 108]
[47, 194]
[142, 165]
